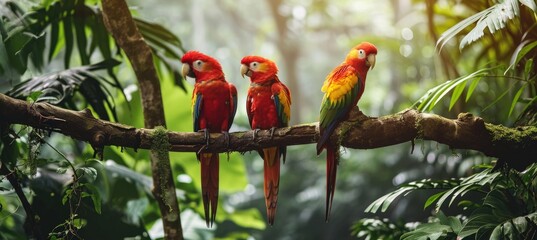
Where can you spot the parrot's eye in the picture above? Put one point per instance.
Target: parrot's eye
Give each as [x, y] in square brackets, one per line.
[198, 64]
[361, 54]
[254, 65]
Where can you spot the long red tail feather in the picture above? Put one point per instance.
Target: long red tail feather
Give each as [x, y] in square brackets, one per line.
[271, 166]
[332, 157]
[209, 185]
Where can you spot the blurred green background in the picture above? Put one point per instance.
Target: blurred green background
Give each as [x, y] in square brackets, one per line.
[306, 38]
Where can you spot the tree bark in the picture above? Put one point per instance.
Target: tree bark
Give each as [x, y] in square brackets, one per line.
[515, 146]
[118, 20]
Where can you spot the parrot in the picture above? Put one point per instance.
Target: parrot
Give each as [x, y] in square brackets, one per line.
[214, 104]
[342, 89]
[268, 106]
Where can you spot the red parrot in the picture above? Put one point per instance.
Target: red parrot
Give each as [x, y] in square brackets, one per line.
[343, 88]
[268, 107]
[214, 103]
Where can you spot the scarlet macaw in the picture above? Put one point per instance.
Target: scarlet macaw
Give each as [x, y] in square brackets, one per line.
[268, 107]
[343, 88]
[214, 103]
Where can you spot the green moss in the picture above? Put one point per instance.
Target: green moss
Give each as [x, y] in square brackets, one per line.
[344, 129]
[518, 135]
[160, 146]
[239, 134]
[160, 143]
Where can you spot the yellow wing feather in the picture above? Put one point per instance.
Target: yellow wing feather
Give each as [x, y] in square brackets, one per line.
[338, 83]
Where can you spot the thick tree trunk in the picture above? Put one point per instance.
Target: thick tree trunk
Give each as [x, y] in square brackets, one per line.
[119, 22]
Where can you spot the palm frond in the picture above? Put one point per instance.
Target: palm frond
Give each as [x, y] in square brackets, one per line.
[59, 88]
[444, 228]
[166, 47]
[368, 228]
[385, 201]
[428, 101]
[493, 18]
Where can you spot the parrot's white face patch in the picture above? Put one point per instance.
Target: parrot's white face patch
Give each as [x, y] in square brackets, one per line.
[254, 66]
[361, 54]
[198, 65]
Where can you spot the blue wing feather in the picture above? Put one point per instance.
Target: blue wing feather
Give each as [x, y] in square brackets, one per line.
[279, 107]
[197, 111]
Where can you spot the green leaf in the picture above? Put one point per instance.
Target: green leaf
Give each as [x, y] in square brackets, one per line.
[54, 35]
[81, 39]
[494, 18]
[515, 99]
[93, 160]
[95, 197]
[523, 52]
[433, 96]
[456, 94]
[90, 172]
[427, 231]
[67, 195]
[453, 31]
[453, 222]
[59, 87]
[33, 96]
[79, 223]
[432, 199]
[527, 68]
[61, 170]
[471, 88]
[69, 39]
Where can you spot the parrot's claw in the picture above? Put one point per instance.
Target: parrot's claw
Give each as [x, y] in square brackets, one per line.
[272, 130]
[254, 134]
[207, 138]
[227, 138]
[201, 149]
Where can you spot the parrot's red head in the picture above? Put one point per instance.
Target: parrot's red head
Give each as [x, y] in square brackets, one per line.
[259, 69]
[362, 57]
[201, 67]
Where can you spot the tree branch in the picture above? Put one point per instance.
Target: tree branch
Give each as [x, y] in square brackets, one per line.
[118, 20]
[517, 146]
[32, 225]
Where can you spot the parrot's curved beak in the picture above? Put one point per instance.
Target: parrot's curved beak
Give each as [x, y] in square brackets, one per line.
[370, 62]
[186, 71]
[245, 71]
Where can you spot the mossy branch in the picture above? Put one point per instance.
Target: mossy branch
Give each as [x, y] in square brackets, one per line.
[516, 146]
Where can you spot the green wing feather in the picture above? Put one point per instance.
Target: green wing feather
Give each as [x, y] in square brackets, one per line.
[282, 101]
[197, 101]
[333, 110]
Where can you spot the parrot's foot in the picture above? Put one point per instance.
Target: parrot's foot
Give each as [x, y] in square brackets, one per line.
[227, 138]
[207, 139]
[272, 130]
[254, 134]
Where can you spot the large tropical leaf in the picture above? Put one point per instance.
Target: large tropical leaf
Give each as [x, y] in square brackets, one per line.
[493, 18]
[380, 229]
[470, 82]
[59, 87]
[166, 47]
[77, 29]
[385, 201]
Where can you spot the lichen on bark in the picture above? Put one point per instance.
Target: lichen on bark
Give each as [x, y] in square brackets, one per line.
[160, 146]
